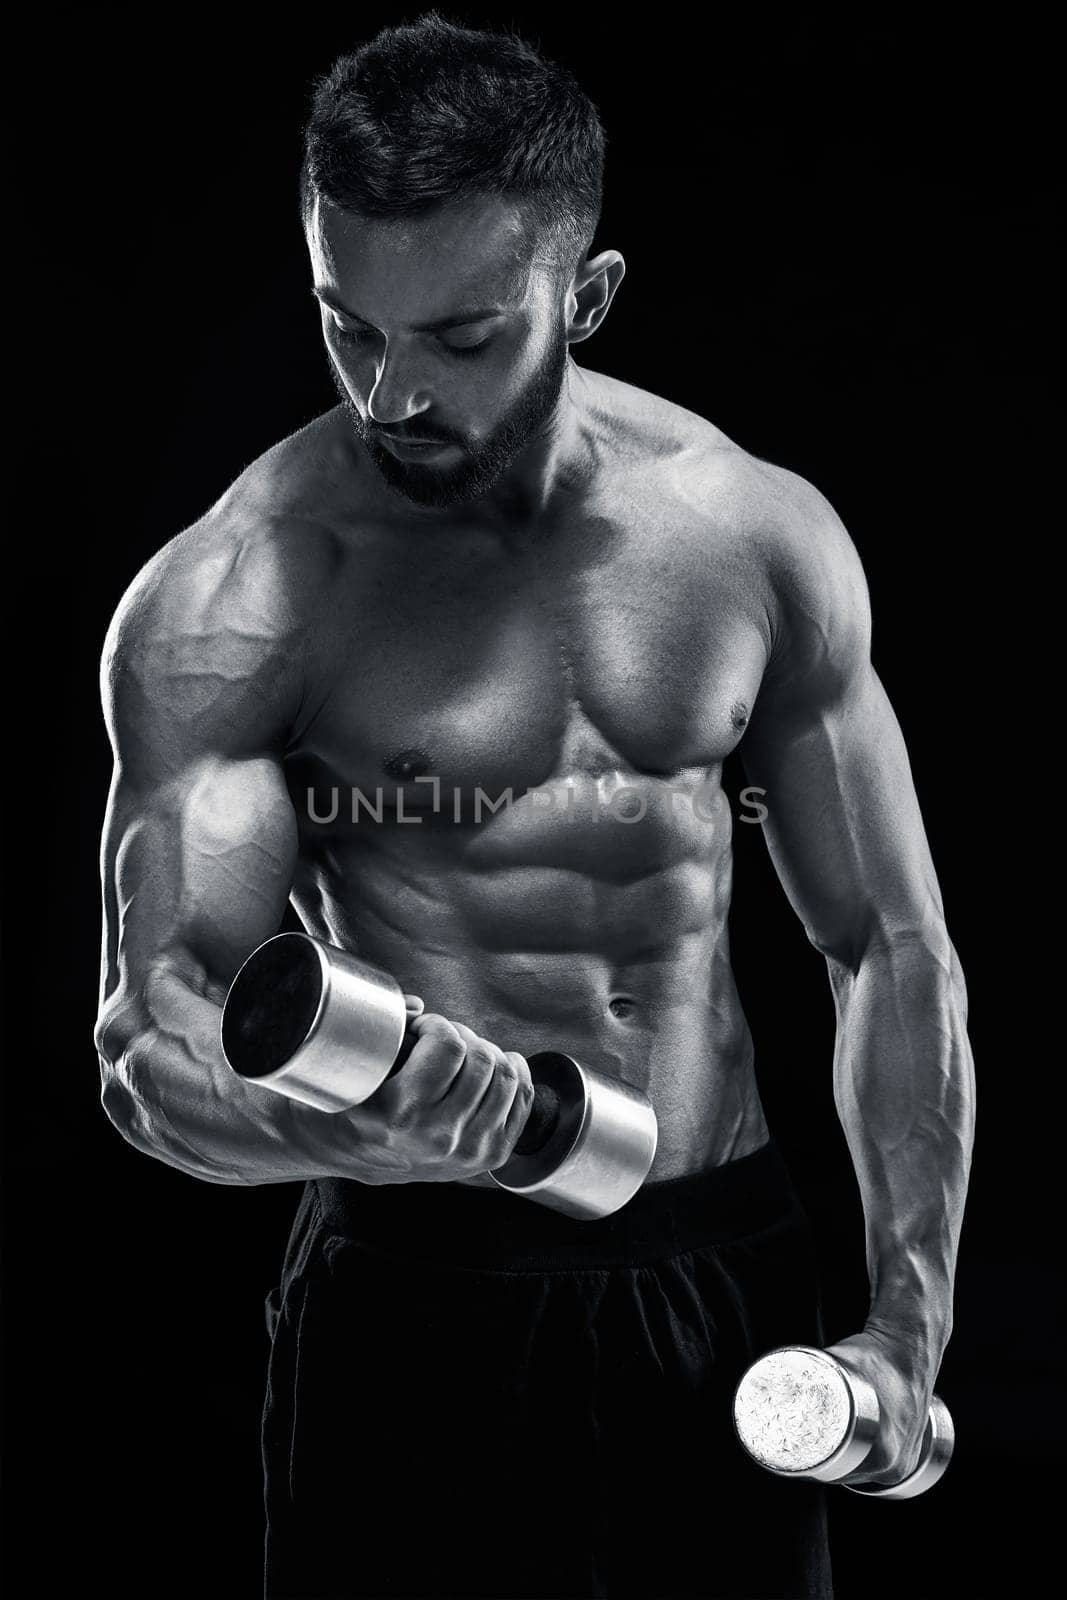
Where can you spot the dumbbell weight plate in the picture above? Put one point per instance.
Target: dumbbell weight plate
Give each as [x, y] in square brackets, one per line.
[287, 1022]
[799, 1415]
[600, 1151]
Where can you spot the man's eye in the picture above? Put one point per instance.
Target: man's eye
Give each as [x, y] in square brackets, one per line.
[350, 335]
[357, 336]
[468, 349]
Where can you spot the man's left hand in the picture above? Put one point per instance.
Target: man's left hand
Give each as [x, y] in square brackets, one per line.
[903, 1389]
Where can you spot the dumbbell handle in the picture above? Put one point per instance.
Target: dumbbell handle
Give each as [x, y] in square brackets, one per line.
[543, 1117]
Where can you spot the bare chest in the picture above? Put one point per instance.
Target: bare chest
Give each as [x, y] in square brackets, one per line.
[615, 649]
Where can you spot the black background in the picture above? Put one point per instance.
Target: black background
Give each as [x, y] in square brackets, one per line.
[839, 250]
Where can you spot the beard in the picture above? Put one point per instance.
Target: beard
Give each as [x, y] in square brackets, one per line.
[484, 464]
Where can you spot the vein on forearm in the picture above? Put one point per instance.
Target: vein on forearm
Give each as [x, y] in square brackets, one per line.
[904, 1090]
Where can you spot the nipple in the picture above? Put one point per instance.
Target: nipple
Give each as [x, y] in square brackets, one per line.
[407, 764]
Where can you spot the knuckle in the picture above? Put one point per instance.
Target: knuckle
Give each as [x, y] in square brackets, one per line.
[403, 1117]
[498, 1149]
[481, 1058]
[475, 1138]
[433, 1024]
[441, 1140]
[445, 1042]
[522, 1070]
[492, 1134]
[524, 1097]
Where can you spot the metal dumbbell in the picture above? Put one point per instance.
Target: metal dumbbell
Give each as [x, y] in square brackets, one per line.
[803, 1413]
[310, 1021]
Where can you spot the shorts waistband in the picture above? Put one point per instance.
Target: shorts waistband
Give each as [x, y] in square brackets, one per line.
[462, 1225]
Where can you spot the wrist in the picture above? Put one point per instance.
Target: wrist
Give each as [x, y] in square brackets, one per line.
[916, 1343]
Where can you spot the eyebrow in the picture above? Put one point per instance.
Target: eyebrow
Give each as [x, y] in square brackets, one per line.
[457, 320]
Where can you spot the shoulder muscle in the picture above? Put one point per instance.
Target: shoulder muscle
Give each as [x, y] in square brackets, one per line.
[206, 651]
[821, 617]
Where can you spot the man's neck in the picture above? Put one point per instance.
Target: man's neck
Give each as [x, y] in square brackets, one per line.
[552, 468]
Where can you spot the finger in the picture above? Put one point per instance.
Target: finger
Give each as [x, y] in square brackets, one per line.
[480, 1050]
[413, 1004]
[469, 1086]
[522, 1104]
[483, 1138]
[469, 1037]
[494, 1122]
[436, 1058]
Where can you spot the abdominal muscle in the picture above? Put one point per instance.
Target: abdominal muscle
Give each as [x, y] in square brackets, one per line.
[621, 961]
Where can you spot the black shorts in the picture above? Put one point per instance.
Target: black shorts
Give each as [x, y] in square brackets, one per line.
[471, 1395]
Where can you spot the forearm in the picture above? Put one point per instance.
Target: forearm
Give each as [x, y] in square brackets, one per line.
[904, 1089]
[168, 1090]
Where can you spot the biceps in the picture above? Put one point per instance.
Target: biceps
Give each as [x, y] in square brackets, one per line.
[843, 823]
[196, 871]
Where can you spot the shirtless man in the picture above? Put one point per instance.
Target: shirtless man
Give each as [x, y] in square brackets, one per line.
[454, 670]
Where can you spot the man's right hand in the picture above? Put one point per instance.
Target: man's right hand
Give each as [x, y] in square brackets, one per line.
[455, 1109]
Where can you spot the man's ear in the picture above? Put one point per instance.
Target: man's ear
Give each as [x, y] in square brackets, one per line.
[591, 293]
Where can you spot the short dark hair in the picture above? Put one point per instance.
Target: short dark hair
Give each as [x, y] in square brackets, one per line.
[428, 112]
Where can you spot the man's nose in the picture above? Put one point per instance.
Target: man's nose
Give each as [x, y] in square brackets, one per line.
[397, 394]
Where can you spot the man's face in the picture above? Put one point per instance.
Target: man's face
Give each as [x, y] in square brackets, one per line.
[440, 328]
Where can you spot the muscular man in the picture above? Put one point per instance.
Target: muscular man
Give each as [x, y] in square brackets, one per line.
[455, 670]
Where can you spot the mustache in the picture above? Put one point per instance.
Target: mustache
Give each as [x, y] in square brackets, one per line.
[393, 436]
